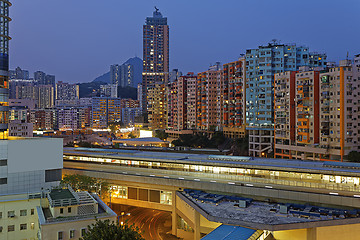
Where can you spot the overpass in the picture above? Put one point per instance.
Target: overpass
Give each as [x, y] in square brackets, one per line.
[154, 180]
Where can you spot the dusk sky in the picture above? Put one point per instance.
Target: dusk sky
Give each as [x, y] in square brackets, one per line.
[77, 40]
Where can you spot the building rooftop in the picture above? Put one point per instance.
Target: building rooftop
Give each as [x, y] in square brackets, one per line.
[246, 212]
[345, 168]
[62, 197]
[147, 139]
[227, 232]
[60, 194]
[102, 211]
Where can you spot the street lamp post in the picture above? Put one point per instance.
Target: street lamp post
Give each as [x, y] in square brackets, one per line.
[122, 217]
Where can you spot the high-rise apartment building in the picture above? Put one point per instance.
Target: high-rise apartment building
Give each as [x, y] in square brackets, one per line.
[129, 115]
[66, 91]
[129, 103]
[296, 113]
[139, 94]
[50, 80]
[317, 113]
[357, 61]
[18, 73]
[340, 115]
[155, 69]
[234, 99]
[182, 104]
[177, 104]
[261, 65]
[4, 67]
[39, 77]
[109, 90]
[45, 96]
[44, 119]
[122, 75]
[104, 111]
[209, 112]
[15, 83]
[191, 98]
[72, 117]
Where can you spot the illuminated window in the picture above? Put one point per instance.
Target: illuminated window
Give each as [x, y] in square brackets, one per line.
[166, 197]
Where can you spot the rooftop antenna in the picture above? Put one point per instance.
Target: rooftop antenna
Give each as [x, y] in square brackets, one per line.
[156, 9]
[275, 41]
[347, 59]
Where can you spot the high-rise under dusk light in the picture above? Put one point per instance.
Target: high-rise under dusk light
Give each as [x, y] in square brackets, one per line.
[155, 69]
[4, 67]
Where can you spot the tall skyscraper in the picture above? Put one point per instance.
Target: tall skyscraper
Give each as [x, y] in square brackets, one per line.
[155, 69]
[122, 75]
[234, 98]
[209, 95]
[42, 78]
[182, 103]
[18, 73]
[4, 67]
[39, 77]
[261, 65]
[66, 91]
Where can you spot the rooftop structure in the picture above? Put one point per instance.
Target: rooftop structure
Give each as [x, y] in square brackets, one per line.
[67, 213]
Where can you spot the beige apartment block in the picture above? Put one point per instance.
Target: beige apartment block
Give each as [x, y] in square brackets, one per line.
[317, 113]
[339, 115]
[66, 214]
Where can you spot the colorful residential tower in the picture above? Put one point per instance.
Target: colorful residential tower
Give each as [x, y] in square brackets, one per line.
[4, 68]
[234, 99]
[261, 65]
[209, 107]
[317, 113]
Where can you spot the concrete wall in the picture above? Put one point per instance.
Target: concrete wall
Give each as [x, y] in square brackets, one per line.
[19, 202]
[27, 162]
[346, 232]
[50, 231]
[34, 154]
[299, 234]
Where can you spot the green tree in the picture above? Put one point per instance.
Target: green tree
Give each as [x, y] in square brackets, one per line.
[240, 146]
[85, 183]
[106, 230]
[217, 139]
[69, 144]
[353, 156]
[85, 144]
[161, 134]
[131, 135]
[113, 126]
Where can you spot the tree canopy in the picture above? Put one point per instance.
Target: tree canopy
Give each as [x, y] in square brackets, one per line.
[161, 134]
[106, 230]
[200, 140]
[85, 183]
[353, 156]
